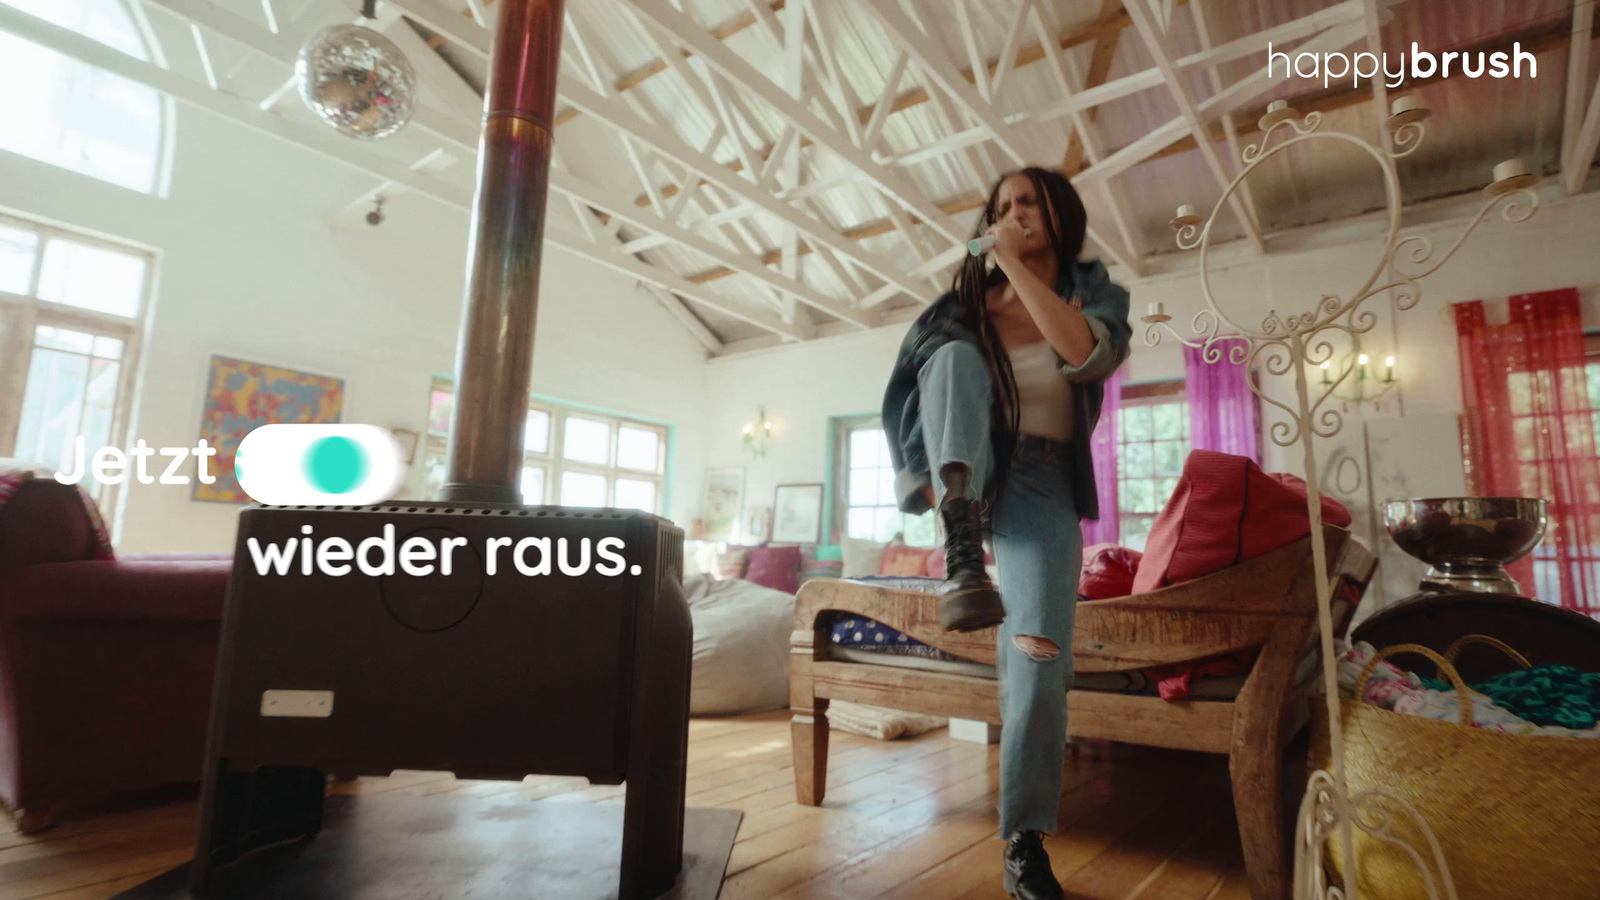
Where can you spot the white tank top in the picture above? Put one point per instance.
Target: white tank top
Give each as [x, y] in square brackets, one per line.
[1043, 392]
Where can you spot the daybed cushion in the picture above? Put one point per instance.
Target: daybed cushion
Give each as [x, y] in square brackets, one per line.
[1224, 511]
[741, 646]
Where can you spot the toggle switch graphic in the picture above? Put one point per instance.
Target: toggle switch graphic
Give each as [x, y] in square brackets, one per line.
[319, 465]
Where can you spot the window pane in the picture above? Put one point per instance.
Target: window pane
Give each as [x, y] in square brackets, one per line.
[919, 530]
[886, 486]
[887, 523]
[91, 277]
[1135, 423]
[1164, 489]
[107, 348]
[536, 433]
[17, 248]
[586, 441]
[635, 494]
[1139, 496]
[433, 467]
[1135, 531]
[52, 408]
[582, 489]
[1522, 426]
[1138, 462]
[63, 339]
[441, 405]
[100, 403]
[638, 449]
[1168, 424]
[532, 485]
[863, 487]
[864, 448]
[1169, 457]
[858, 523]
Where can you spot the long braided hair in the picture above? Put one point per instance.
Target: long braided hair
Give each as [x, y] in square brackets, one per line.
[1065, 222]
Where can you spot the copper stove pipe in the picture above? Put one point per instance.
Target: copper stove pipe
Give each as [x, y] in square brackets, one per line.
[494, 353]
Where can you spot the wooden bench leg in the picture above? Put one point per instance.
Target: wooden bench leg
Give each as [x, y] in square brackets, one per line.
[1257, 788]
[808, 731]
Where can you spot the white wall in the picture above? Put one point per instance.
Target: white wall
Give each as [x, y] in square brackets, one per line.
[802, 385]
[249, 266]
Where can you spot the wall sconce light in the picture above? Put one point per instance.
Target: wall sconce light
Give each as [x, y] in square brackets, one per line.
[757, 433]
[1362, 384]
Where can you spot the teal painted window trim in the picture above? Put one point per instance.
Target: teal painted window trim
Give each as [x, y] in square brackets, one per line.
[829, 479]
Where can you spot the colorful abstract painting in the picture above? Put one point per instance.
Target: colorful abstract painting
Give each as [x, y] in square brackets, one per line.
[242, 396]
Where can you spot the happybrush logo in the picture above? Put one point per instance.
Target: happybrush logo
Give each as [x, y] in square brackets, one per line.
[1423, 64]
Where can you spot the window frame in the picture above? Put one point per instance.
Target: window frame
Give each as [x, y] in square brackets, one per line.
[838, 477]
[1154, 393]
[554, 464]
[21, 315]
[164, 151]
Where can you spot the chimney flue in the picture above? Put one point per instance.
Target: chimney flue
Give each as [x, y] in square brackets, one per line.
[494, 354]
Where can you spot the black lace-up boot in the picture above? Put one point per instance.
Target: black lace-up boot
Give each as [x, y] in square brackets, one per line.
[1028, 875]
[968, 599]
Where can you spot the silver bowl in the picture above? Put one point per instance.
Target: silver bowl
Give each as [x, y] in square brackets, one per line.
[1468, 541]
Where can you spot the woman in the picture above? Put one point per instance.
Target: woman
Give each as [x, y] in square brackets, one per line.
[996, 391]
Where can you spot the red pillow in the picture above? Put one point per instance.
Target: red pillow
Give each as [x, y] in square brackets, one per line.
[935, 566]
[1224, 511]
[775, 567]
[899, 559]
[1108, 571]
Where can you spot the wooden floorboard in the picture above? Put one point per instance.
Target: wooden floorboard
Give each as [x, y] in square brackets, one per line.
[901, 820]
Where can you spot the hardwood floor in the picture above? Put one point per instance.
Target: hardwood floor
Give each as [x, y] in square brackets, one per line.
[902, 819]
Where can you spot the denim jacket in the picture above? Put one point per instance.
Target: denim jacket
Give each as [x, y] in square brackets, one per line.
[1105, 306]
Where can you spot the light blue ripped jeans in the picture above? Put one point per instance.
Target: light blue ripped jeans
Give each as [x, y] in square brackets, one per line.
[1039, 551]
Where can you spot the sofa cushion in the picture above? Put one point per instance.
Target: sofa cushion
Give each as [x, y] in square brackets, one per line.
[774, 567]
[1108, 571]
[1224, 511]
[861, 558]
[45, 521]
[732, 562]
[899, 559]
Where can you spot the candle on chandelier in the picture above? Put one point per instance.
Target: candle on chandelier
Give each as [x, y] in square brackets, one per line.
[1158, 309]
[1389, 365]
[1326, 377]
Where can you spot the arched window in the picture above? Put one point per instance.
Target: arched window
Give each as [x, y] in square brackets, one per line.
[66, 113]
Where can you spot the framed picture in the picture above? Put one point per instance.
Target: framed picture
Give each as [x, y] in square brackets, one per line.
[797, 514]
[721, 503]
[755, 524]
[242, 396]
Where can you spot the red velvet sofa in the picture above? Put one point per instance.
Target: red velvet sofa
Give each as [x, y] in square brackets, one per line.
[106, 665]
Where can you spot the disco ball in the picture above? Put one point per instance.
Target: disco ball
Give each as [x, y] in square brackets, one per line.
[358, 81]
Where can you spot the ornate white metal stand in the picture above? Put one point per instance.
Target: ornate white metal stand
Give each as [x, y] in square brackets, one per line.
[1288, 345]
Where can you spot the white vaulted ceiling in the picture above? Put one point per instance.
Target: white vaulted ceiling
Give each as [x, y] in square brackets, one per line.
[780, 170]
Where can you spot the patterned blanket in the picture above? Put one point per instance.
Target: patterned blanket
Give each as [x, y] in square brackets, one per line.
[1404, 692]
[13, 476]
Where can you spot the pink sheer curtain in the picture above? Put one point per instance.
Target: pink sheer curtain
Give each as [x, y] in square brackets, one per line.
[1224, 414]
[1106, 529]
[1529, 431]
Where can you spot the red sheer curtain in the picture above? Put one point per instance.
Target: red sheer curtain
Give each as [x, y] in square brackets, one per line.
[1529, 431]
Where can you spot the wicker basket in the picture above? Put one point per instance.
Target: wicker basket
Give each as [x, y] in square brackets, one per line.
[1516, 816]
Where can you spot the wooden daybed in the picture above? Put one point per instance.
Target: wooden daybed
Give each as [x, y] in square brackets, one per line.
[1267, 603]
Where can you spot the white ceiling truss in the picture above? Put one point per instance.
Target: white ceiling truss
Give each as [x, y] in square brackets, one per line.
[768, 180]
